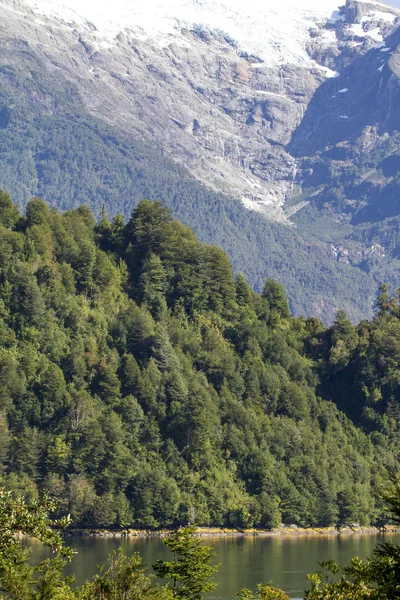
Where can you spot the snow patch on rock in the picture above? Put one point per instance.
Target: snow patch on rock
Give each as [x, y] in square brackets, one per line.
[358, 30]
[380, 16]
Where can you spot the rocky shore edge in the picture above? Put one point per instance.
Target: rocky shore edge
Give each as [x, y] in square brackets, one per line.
[282, 531]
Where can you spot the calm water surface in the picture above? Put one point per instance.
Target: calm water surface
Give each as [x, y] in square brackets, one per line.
[245, 561]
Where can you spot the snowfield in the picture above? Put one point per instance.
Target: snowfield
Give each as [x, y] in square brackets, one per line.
[277, 32]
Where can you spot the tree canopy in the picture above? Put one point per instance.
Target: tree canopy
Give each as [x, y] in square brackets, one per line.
[144, 384]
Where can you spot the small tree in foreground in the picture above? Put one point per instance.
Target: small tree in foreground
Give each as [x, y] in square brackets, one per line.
[190, 570]
[123, 578]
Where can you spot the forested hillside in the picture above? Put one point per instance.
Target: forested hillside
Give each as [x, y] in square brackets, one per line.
[143, 384]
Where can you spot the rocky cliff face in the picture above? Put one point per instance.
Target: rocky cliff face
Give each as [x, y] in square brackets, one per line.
[350, 132]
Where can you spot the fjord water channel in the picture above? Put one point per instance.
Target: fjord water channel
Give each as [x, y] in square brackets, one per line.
[245, 561]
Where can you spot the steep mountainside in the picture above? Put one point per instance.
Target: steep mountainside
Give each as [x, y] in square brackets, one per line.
[263, 108]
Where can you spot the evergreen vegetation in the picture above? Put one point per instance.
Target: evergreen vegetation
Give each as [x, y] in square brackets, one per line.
[190, 570]
[122, 579]
[143, 384]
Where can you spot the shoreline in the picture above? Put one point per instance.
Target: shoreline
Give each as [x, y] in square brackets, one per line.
[209, 532]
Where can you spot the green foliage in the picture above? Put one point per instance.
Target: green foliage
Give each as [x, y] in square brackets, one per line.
[9, 214]
[18, 579]
[275, 297]
[265, 592]
[143, 385]
[190, 570]
[377, 578]
[347, 588]
[123, 578]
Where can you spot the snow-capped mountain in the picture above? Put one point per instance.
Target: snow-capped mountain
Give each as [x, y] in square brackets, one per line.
[277, 32]
[229, 81]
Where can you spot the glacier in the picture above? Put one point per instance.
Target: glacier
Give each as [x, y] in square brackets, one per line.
[276, 32]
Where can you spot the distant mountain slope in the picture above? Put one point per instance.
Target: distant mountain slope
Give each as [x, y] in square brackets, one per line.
[69, 158]
[221, 89]
[348, 146]
[192, 119]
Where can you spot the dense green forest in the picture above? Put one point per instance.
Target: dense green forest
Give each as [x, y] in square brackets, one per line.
[143, 384]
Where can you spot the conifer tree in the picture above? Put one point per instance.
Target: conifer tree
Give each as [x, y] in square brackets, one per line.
[383, 300]
[9, 213]
[190, 571]
[153, 283]
[276, 298]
